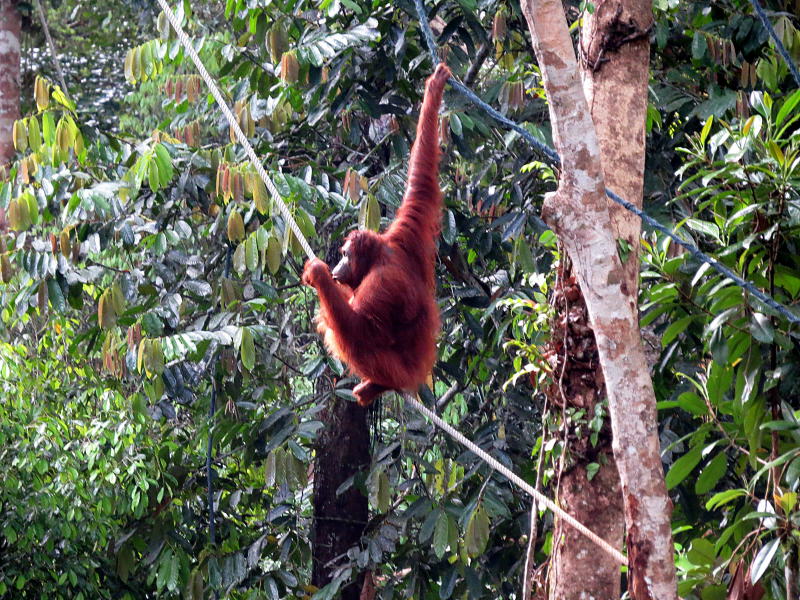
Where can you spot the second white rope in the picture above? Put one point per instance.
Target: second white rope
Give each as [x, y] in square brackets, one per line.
[251, 154]
[513, 477]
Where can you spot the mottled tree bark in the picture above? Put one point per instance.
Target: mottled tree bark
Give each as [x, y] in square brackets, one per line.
[343, 449]
[578, 212]
[615, 55]
[596, 501]
[578, 568]
[615, 67]
[9, 77]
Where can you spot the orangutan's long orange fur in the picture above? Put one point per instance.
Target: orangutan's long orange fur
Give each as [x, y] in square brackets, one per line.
[385, 328]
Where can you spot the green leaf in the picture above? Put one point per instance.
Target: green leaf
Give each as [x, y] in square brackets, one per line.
[761, 328]
[455, 125]
[164, 162]
[703, 227]
[682, 467]
[154, 179]
[160, 245]
[328, 46]
[128, 70]
[449, 230]
[239, 262]
[477, 535]
[763, 559]
[138, 69]
[34, 134]
[699, 46]
[787, 107]
[55, 295]
[523, 257]
[48, 128]
[147, 60]
[440, 534]
[706, 130]
[33, 207]
[10, 534]
[675, 329]
[251, 252]
[273, 254]
[779, 425]
[372, 214]
[701, 552]
[711, 474]
[173, 572]
[247, 350]
[788, 501]
[776, 152]
[723, 498]
[306, 224]
[692, 403]
[270, 470]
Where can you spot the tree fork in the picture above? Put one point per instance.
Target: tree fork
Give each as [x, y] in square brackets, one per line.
[579, 214]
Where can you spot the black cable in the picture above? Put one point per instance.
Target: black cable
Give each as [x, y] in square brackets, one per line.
[210, 446]
[553, 158]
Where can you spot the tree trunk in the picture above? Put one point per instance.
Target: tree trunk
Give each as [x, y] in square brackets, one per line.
[596, 501]
[615, 53]
[578, 569]
[615, 67]
[9, 77]
[339, 519]
[579, 214]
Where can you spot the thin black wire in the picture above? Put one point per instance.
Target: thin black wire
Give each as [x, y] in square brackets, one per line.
[209, 451]
[554, 159]
[778, 43]
[212, 409]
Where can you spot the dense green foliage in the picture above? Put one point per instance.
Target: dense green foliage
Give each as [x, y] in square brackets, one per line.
[119, 312]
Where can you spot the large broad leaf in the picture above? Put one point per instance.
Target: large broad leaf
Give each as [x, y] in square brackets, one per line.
[164, 164]
[440, 534]
[477, 535]
[248, 349]
[763, 559]
[711, 474]
[681, 468]
[323, 48]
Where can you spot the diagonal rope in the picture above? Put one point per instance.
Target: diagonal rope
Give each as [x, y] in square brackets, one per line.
[513, 477]
[554, 159]
[240, 136]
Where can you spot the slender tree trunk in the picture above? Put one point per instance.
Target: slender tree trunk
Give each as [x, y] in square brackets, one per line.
[578, 568]
[579, 214]
[339, 518]
[52, 46]
[591, 497]
[615, 67]
[9, 77]
[615, 54]
[790, 574]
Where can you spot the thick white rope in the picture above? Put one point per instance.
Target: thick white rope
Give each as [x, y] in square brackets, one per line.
[421, 408]
[187, 45]
[524, 485]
